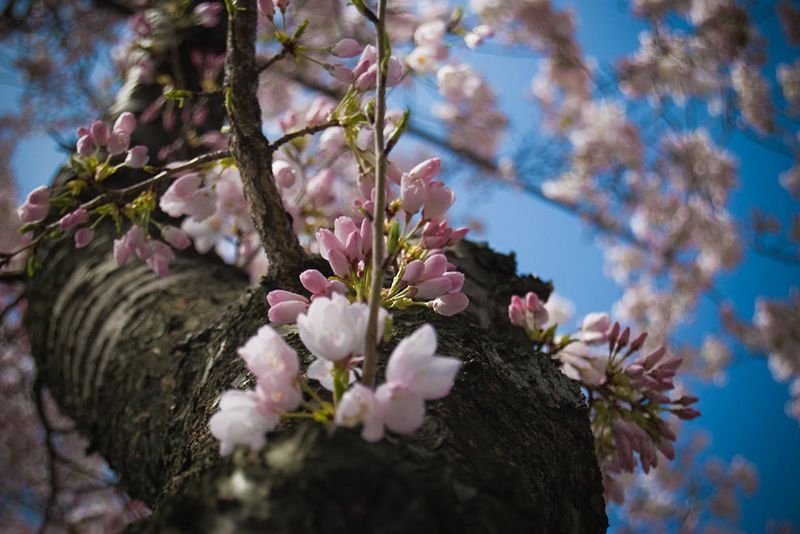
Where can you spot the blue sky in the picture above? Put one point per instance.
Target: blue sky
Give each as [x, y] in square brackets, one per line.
[746, 417]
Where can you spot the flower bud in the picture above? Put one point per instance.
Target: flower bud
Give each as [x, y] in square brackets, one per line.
[100, 132]
[137, 157]
[126, 123]
[83, 237]
[346, 48]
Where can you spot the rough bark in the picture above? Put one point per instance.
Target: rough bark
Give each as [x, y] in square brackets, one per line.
[139, 363]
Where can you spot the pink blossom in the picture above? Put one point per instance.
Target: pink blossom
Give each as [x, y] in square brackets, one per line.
[321, 370]
[83, 237]
[100, 132]
[315, 282]
[359, 406]
[176, 237]
[266, 8]
[160, 258]
[438, 199]
[125, 123]
[137, 157]
[580, 363]
[285, 306]
[118, 142]
[403, 410]
[284, 173]
[414, 365]
[438, 234]
[73, 219]
[346, 48]
[414, 374]
[267, 355]
[241, 421]
[186, 197]
[335, 329]
[208, 13]
[450, 304]
[340, 73]
[595, 328]
[478, 34]
[36, 205]
[85, 146]
[528, 313]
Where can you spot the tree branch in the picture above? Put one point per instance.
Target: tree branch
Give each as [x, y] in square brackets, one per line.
[251, 150]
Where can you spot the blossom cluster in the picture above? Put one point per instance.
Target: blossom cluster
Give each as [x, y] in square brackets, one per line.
[628, 387]
[416, 233]
[333, 330]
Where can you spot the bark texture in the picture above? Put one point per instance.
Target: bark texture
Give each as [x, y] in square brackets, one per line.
[139, 363]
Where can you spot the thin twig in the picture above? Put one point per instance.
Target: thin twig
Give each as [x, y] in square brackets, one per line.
[119, 195]
[308, 130]
[376, 285]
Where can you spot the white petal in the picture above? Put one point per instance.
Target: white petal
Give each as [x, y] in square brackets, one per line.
[403, 410]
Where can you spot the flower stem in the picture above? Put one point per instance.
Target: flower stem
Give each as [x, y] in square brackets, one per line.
[371, 346]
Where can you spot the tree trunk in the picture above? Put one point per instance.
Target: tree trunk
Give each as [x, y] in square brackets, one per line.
[139, 362]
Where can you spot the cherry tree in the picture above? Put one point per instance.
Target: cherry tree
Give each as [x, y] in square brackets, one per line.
[246, 289]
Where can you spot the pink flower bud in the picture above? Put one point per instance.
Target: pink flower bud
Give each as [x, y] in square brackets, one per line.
[137, 157]
[266, 8]
[433, 288]
[286, 312]
[450, 304]
[435, 266]
[346, 48]
[279, 295]
[342, 228]
[624, 337]
[314, 281]
[426, 170]
[83, 237]
[340, 73]
[339, 263]
[125, 123]
[368, 58]
[176, 237]
[413, 271]
[73, 219]
[327, 242]
[412, 193]
[516, 311]
[438, 200]
[638, 342]
[121, 252]
[686, 413]
[118, 143]
[160, 258]
[186, 185]
[100, 132]
[85, 146]
[208, 13]
[36, 205]
[456, 281]
[284, 173]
